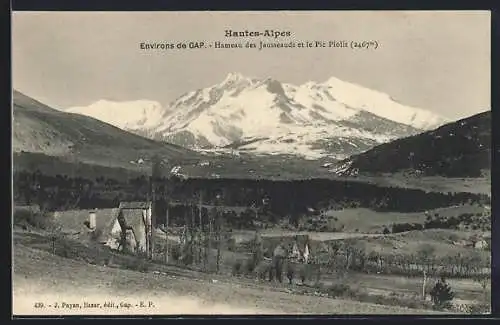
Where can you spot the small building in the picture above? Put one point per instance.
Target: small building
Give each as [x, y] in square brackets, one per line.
[296, 247]
[131, 223]
[99, 225]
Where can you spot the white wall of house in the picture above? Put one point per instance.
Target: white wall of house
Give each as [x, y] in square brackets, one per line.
[306, 254]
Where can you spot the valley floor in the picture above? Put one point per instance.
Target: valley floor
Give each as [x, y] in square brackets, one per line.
[39, 276]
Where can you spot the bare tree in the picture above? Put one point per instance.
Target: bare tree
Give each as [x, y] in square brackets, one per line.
[424, 284]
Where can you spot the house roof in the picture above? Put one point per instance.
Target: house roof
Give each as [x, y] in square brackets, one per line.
[74, 220]
[132, 217]
[280, 251]
[106, 220]
[135, 205]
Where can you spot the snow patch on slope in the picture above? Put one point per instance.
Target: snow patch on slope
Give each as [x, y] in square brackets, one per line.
[130, 115]
[381, 104]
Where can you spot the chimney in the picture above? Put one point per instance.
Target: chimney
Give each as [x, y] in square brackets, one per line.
[92, 220]
[147, 216]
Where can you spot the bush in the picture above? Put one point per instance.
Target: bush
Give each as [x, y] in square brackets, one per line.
[237, 268]
[176, 253]
[63, 248]
[340, 290]
[186, 255]
[96, 234]
[442, 295]
[136, 264]
[396, 299]
[262, 270]
[249, 266]
[231, 244]
[304, 272]
[402, 227]
[34, 219]
[290, 272]
[476, 309]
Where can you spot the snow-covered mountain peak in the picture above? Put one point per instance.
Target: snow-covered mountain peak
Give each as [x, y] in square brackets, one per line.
[381, 104]
[351, 90]
[233, 76]
[235, 79]
[309, 84]
[130, 115]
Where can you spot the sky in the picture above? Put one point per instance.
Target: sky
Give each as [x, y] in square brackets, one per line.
[439, 61]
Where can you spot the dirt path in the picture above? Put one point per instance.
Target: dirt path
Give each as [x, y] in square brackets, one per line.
[42, 277]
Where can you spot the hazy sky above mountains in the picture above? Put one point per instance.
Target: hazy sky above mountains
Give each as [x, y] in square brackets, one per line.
[438, 61]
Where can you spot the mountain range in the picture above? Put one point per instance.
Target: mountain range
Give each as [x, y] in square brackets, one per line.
[334, 119]
[56, 142]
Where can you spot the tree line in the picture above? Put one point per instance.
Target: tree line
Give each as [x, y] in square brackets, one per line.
[293, 198]
[345, 256]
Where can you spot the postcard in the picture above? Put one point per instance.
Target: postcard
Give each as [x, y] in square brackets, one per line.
[251, 162]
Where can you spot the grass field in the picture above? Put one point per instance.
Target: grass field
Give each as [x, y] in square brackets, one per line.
[42, 277]
[369, 221]
[479, 185]
[441, 240]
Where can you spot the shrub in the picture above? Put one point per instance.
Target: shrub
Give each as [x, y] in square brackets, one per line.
[442, 295]
[176, 253]
[340, 290]
[237, 268]
[96, 234]
[402, 227]
[249, 266]
[63, 248]
[304, 272]
[262, 270]
[395, 299]
[290, 272]
[476, 309]
[34, 219]
[187, 256]
[137, 264]
[231, 244]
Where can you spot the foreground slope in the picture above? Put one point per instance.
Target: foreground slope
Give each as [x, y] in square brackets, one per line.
[41, 276]
[458, 149]
[38, 128]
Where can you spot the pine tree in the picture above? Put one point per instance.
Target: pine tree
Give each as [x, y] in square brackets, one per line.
[442, 295]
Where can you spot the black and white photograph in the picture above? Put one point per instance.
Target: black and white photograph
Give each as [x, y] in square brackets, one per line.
[251, 163]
